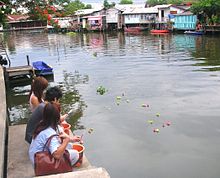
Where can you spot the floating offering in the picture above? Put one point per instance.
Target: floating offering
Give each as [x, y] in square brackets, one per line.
[101, 90]
[156, 130]
[158, 114]
[150, 121]
[90, 130]
[168, 123]
[95, 54]
[118, 97]
[128, 101]
[71, 33]
[145, 105]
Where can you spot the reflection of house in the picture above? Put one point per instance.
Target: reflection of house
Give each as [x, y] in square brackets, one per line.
[185, 21]
[21, 22]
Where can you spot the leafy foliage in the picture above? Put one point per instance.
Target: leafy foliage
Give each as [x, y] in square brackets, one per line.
[176, 2]
[156, 2]
[107, 5]
[126, 2]
[159, 2]
[43, 9]
[73, 6]
[4, 10]
[209, 10]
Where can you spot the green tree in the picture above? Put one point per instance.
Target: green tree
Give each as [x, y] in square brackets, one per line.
[126, 2]
[88, 6]
[156, 2]
[176, 2]
[207, 10]
[5, 8]
[73, 6]
[43, 9]
[107, 5]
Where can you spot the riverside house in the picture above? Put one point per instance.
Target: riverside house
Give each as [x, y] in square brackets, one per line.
[166, 12]
[22, 22]
[140, 16]
[107, 19]
[151, 17]
[114, 19]
[91, 19]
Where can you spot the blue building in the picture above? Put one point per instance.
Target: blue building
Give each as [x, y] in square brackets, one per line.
[185, 21]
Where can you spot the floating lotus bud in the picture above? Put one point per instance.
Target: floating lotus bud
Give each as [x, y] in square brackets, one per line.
[95, 54]
[150, 121]
[168, 123]
[156, 130]
[90, 130]
[144, 105]
[118, 97]
[101, 90]
[158, 114]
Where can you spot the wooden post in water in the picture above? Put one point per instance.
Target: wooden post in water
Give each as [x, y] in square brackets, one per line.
[28, 61]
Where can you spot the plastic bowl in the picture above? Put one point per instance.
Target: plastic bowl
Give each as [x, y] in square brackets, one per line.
[80, 148]
[66, 127]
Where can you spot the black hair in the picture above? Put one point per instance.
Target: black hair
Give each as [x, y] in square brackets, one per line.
[53, 93]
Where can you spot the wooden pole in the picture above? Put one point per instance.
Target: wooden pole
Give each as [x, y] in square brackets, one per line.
[28, 61]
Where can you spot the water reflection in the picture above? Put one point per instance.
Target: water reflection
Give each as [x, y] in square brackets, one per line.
[18, 100]
[164, 71]
[208, 51]
[18, 107]
[71, 97]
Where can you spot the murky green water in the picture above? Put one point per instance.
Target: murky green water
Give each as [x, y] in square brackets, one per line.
[178, 76]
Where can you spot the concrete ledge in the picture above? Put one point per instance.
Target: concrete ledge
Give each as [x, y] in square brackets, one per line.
[19, 164]
[90, 173]
[3, 117]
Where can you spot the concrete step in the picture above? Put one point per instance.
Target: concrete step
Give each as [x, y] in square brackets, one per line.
[19, 164]
[89, 173]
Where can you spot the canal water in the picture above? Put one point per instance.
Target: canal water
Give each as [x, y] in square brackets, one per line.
[159, 116]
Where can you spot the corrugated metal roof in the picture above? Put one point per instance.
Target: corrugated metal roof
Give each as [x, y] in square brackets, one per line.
[148, 10]
[163, 6]
[87, 11]
[13, 18]
[124, 7]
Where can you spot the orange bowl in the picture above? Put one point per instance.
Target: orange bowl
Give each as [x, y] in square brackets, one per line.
[66, 127]
[80, 148]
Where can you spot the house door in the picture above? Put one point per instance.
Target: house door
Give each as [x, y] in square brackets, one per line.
[162, 15]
